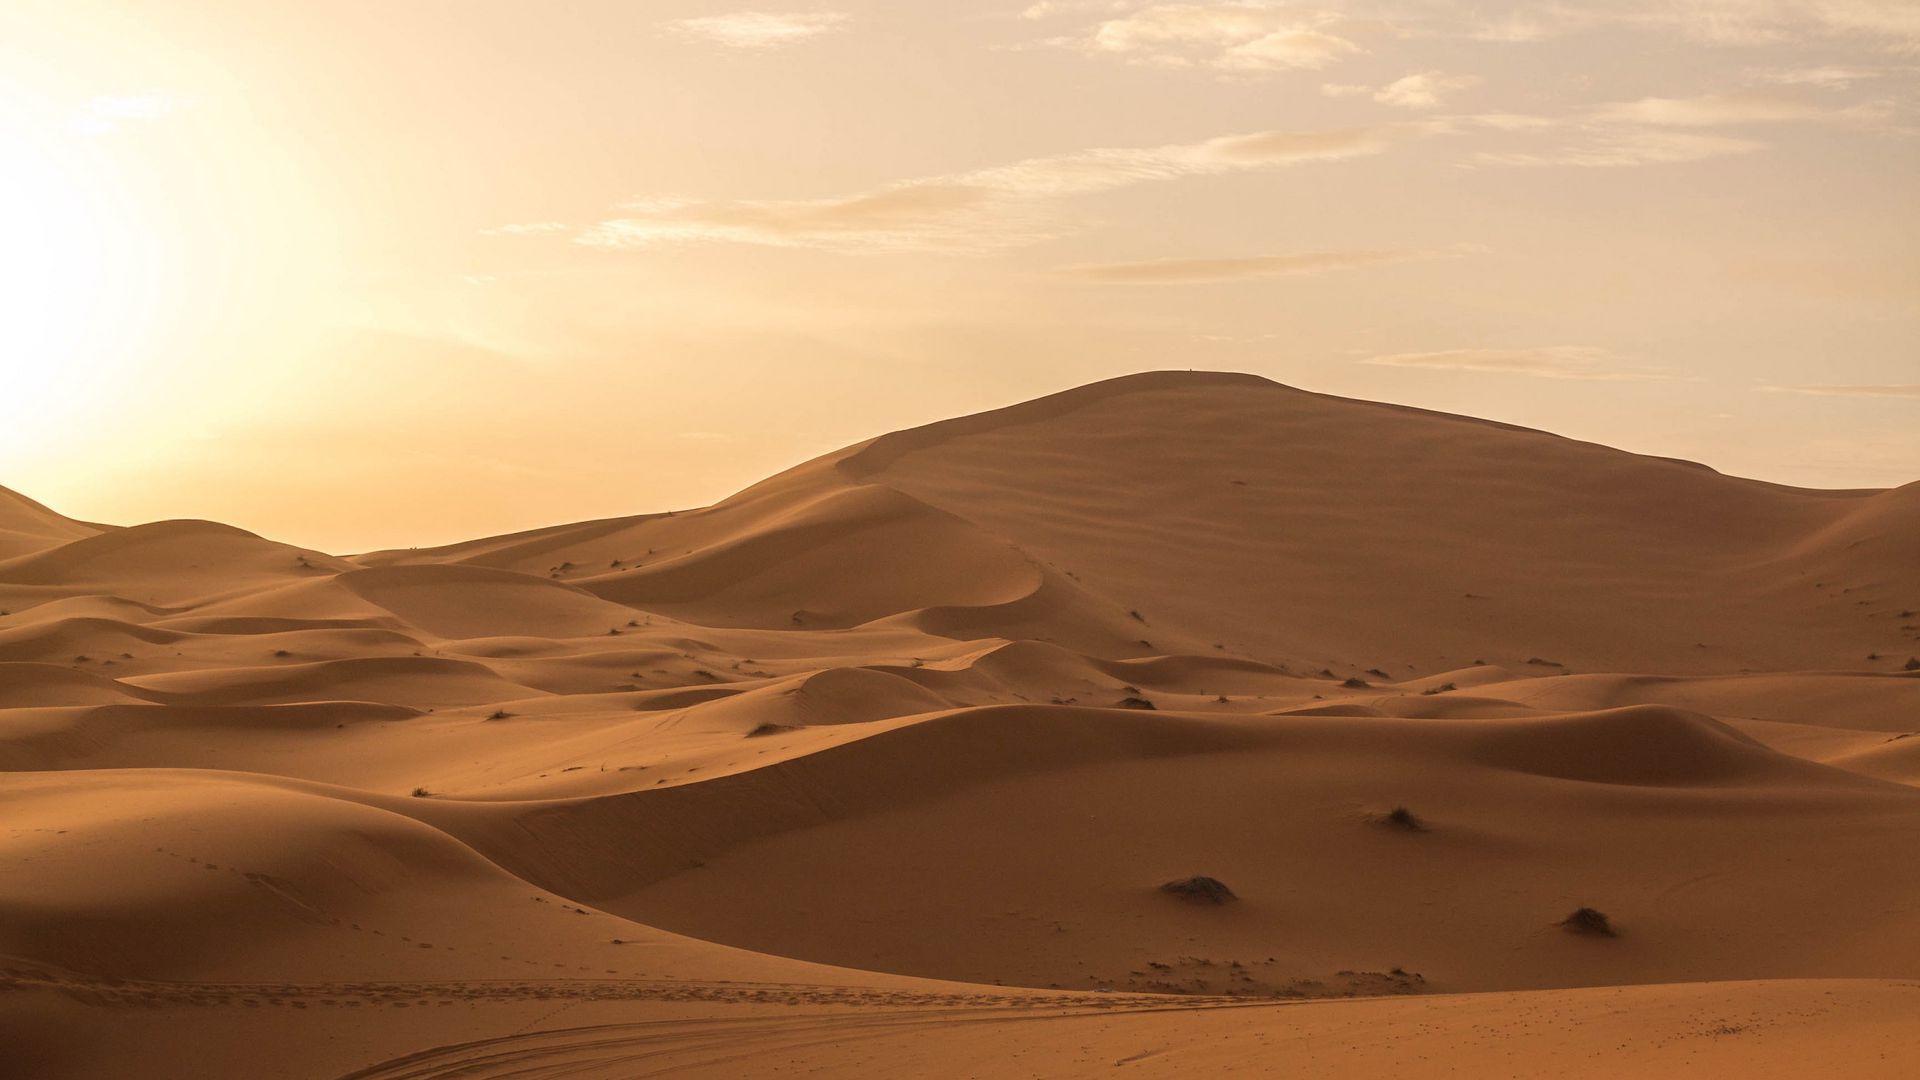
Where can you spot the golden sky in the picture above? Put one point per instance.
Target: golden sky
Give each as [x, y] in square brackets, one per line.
[359, 274]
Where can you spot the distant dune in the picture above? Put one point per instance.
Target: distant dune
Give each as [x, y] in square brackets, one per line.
[872, 766]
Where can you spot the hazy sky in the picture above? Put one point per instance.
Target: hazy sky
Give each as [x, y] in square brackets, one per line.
[367, 274]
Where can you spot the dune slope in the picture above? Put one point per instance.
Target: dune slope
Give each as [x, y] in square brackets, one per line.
[912, 736]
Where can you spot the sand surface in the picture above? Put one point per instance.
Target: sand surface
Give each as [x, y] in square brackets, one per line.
[877, 767]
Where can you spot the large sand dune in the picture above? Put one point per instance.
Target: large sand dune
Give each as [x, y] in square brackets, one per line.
[879, 765]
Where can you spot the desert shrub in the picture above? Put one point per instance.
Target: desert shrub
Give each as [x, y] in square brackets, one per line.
[1402, 818]
[1589, 922]
[1200, 889]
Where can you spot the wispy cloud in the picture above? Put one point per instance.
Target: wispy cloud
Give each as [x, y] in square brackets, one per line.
[1244, 36]
[1661, 130]
[981, 209]
[761, 29]
[1722, 110]
[1892, 390]
[527, 228]
[1893, 25]
[1195, 271]
[1826, 77]
[1548, 362]
[1220, 34]
[1626, 147]
[1423, 89]
[1420, 90]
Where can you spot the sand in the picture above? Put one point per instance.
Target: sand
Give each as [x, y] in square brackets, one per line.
[877, 767]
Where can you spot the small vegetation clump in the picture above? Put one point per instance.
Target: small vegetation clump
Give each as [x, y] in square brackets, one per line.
[421, 793]
[1402, 818]
[1200, 889]
[1912, 664]
[1356, 683]
[1589, 922]
[1134, 701]
[498, 714]
[768, 729]
[1441, 689]
[282, 653]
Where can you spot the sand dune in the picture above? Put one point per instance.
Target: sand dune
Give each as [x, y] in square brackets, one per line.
[880, 765]
[27, 527]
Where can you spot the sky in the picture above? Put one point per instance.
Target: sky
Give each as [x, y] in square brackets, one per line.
[373, 274]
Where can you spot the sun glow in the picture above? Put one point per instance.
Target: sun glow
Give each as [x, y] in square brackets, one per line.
[77, 270]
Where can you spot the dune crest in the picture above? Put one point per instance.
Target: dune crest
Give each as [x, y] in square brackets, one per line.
[922, 727]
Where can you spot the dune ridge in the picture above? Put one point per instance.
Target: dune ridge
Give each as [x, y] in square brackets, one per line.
[911, 735]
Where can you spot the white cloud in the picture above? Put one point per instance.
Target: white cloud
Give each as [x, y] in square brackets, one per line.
[1423, 89]
[761, 29]
[982, 209]
[1714, 110]
[1047, 9]
[1549, 362]
[1828, 77]
[1199, 270]
[1245, 36]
